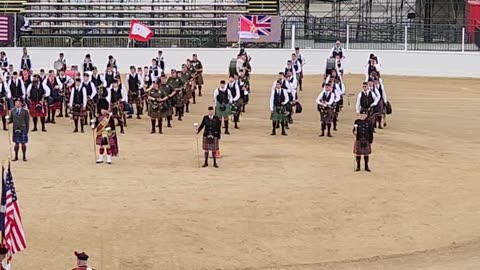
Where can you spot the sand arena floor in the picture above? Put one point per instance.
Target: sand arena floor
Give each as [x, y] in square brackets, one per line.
[276, 202]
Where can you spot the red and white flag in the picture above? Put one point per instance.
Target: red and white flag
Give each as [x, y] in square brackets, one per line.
[139, 31]
[6, 28]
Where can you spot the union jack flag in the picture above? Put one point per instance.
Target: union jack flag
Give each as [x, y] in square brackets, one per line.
[254, 26]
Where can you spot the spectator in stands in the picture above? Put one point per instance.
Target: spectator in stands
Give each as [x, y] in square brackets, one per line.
[155, 70]
[25, 62]
[3, 61]
[26, 25]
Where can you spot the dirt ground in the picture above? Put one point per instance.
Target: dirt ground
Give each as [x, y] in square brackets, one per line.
[275, 202]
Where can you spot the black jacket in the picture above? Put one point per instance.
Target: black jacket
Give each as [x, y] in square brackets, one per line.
[212, 127]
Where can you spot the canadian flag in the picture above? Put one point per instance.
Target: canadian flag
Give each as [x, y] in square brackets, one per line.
[139, 31]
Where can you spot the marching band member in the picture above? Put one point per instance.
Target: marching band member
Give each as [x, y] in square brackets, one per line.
[54, 100]
[187, 86]
[25, 61]
[324, 105]
[42, 76]
[38, 93]
[61, 58]
[291, 87]
[15, 89]
[157, 109]
[100, 86]
[382, 94]
[106, 137]
[234, 89]
[241, 59]
[109, 76]
[8, 73]
[366, 102]
[244, 83]
[374, 57]
[160, 61]
[3, 62]
[21, 125]
[301, 59]
[337, 50]
[363, 132]
[154, 70]
[289, 68]
[333, 75]
[3, 255]
[91, 89]
[78, 104]
[26, 77]
[373, 69]
[297, 65]
[112, 62]
[338, 91]
[193, 81]
[211, 136]
[147, 83]
[223, 103]
[87, 64]
[3, 103]
[117, 97]
[82, 263]
[65, 90]
[176, 83]
[135, 83]
[169, 90]
[278, 100]
[197, 65]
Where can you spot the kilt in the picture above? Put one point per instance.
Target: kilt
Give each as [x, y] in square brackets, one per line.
[134, 99]
[211, 145]
[170, 111]
[328, 117]
[157, 114]
[278, 116]
[82, 113]
[239, 105]
[362, 151]
[381, 107]
[199, 79]
[34, 112]
[110, 142]
[188, 94]
[117, 111]
[225, 113]
[20, 137]
[246, 98]
[179, 102]
[3, 110]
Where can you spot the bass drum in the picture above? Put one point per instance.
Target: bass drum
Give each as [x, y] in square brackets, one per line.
[232, 68]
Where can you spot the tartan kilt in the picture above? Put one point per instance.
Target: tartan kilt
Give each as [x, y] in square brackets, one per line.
[211, 145]
[20, 137]
[199, 79]
[362, 151]
[169, 111]
[108, 142]
[246, 98]
[381, 107]
[225, 113]
[328, 117]
[188, 94]
[157, 114]
[34, 112]
[117, 112]
[3, 110]
[134, 99]
[278, 116]
[179, 101]
[82, 113]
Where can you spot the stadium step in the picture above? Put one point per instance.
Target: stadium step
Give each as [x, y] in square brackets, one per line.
[263, 7]
[12, 6]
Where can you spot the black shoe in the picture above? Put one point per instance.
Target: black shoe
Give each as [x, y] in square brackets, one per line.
[44, 130]
[169, 125]
[122, 132]
[237, 127]
[215, 165]
[273, 133]
[180, 119]
[187, 111]
[60, 115]
[24, 159]
[15, 159]
[226, 132]
[48, 120]
[161, 132]
[75, 130]
[5, 129]
[357, 169]
[138, 117]
[33, 130]
[322, 135]
[152, 132]
[335, 128]
[53, 122]
[384, 124]
[205, 165]
[380, 127]
[367, 169]
[329, 135]
[284, 133]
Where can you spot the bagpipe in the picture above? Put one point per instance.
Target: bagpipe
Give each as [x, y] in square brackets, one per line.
[323, 109]
[117, 108]
[157, 105]
[91, 105]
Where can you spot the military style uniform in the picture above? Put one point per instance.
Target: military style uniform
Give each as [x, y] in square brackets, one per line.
[178, 101]
[157, 109]
[168, 89]
[197, 65]
[187, 89]
[363, 131]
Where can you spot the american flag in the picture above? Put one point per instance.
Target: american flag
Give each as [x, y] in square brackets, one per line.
[256, 25]
[14, 234]
[5, 28]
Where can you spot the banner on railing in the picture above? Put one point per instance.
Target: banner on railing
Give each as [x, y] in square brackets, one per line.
[6, 28]
[253, 28]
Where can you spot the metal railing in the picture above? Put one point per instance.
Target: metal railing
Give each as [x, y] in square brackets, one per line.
[45, 41]
[124, 42]
[372, 36]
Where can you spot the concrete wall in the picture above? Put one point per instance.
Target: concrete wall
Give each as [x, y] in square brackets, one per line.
[266, 61]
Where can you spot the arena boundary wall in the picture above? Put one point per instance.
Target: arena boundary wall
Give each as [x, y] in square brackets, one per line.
[266, 61]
